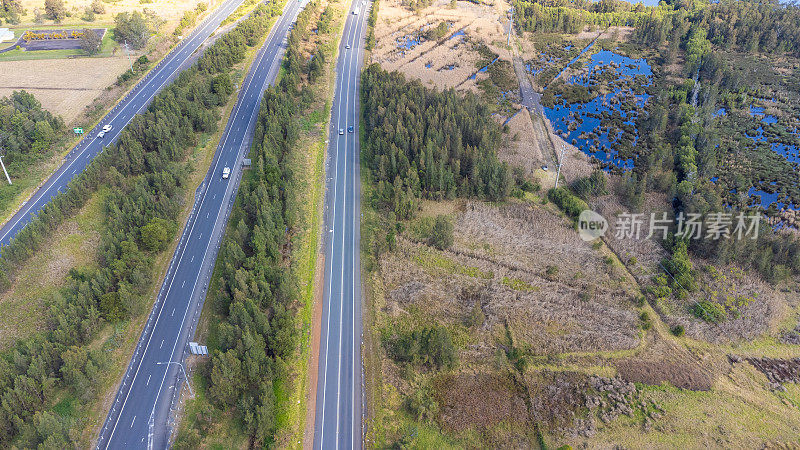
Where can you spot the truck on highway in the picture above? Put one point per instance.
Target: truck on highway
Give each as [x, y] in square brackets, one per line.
[355, 12]
[226, 172]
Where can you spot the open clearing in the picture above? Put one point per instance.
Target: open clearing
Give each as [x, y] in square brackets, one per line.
[65, 87]
[446, 62]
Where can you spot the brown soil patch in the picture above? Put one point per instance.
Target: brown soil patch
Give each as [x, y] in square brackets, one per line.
[617, 33]
[478, 401]
[524, 147]
[664, 362]
[313, 356]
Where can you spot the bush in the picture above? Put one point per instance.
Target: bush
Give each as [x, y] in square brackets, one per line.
[422, 405]
[567, 202]
[90, 41]
[131, 28]
[430, 346]
[442, 233]
[709, 311]
[157, 233]
[678, 330]
[98, 7]
[646, 322]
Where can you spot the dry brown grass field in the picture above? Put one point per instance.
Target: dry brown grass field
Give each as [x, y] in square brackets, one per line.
[582, 333]
[446, 62]
[64, 86]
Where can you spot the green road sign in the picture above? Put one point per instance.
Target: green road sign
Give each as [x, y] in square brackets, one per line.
[78, 130]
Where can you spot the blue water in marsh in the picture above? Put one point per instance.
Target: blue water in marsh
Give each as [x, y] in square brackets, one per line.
[483, 69]
[586, 49]
[788, 151]
[408, 42]
[587, 133]
[457, 33]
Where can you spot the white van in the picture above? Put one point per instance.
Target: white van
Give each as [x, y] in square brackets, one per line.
[355, 12]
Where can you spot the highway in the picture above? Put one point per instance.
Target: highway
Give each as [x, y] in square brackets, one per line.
[141, 412]
[339, 398]
[133, 103]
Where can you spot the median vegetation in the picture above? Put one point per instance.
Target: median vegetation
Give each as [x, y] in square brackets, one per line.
[146, 175]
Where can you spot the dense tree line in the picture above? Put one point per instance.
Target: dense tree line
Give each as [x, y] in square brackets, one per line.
[562, 16]
[258, 332]
[145, 175]
[371, 21]
[767, 26]
[257, 293]
[422, 143]
[26, 130]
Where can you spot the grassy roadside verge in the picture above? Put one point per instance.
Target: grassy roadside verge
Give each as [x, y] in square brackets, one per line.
[204, 424]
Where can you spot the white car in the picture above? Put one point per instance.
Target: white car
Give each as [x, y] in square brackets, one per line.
[105, 130]
[355, 12]
[341, 131]
[347, 46]
[226, 172]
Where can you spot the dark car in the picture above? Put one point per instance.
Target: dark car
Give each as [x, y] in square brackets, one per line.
[350, 129]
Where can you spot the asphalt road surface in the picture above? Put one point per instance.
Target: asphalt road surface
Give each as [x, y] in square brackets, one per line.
[135, 102]
[339, 398]
[141, 413]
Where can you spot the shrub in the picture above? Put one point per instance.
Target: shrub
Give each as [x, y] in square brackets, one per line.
[678, 330]
[430, 346]
[422, 405]
[709, 311]
[442, 233]
[567, 202]
[476, 316]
